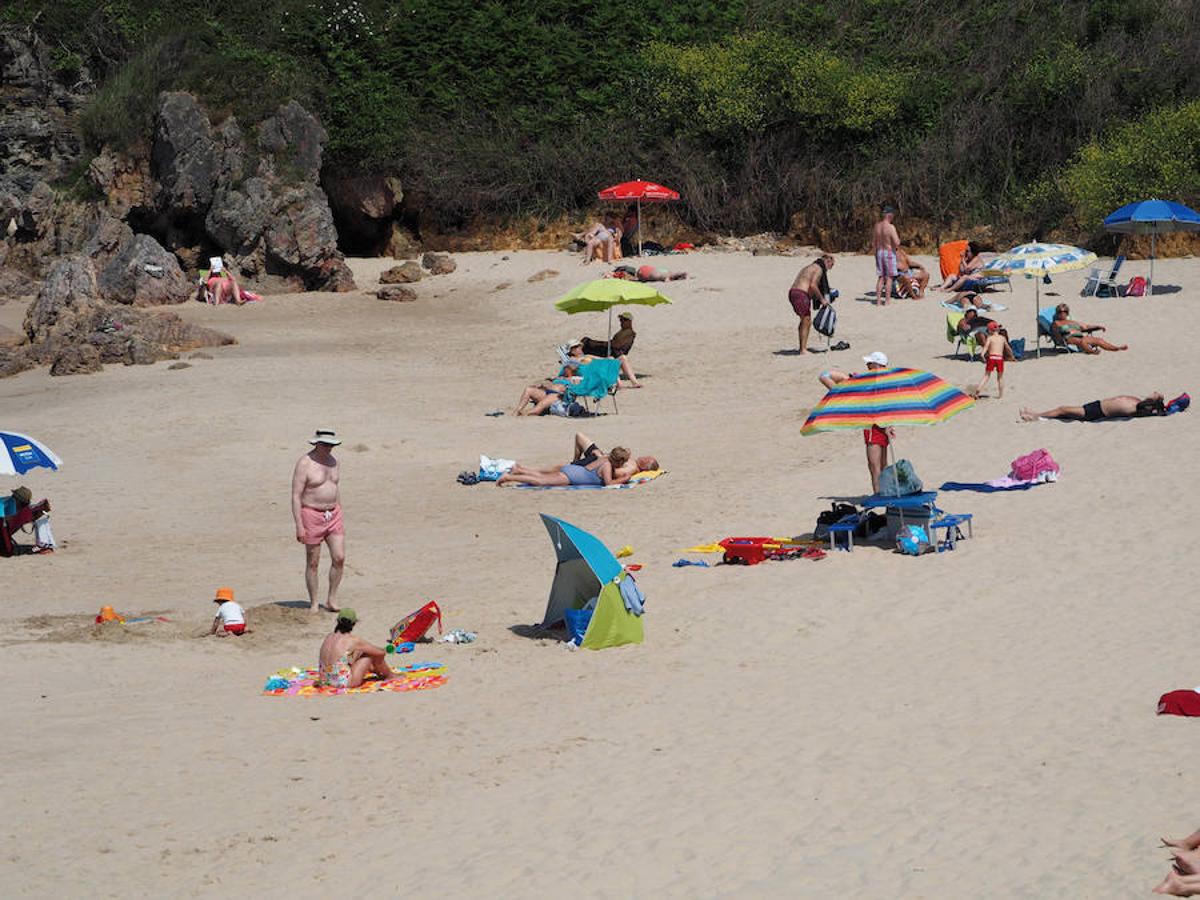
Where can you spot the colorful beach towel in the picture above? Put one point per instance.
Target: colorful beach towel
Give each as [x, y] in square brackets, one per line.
[639, 478]
[297, 682]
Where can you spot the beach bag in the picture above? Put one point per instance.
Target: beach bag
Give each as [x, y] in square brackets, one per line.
[413, 626]
[899, 480]
[1136, 287]
[1031, 465]
[42, 535]
[832, 516]
[825, 320]
[1179, 404]
[1179, 703]
[577, 622]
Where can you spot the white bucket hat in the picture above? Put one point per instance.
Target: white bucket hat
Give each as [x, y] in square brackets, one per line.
[879, 359]
[325, 436]
[215, 264]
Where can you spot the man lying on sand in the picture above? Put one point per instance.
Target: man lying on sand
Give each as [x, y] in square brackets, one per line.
[1122, 407]
[346, 660]
[589, 465]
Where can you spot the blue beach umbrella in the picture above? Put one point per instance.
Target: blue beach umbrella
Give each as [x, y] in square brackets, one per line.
[1152, 217]
[19, 453]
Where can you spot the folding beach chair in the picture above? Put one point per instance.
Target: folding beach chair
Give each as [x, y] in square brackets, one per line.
[11, 524]
[1096, 286]
[960, 340]
[597, 380]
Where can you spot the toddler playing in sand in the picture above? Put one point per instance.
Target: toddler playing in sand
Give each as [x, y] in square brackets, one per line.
[230, 618]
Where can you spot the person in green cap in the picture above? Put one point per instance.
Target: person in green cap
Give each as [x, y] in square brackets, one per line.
[346, 660]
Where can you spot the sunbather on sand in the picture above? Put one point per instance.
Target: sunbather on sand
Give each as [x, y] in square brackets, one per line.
[589, 465]
[602, 240]
[546, 393]
[1184, 878]
[1079, 334]
[966, 300]
[345, 660]
[911, 277]
[1125, 406]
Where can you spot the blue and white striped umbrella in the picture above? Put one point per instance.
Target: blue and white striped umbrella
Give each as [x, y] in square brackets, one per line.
[1037, 260]
[19, 453]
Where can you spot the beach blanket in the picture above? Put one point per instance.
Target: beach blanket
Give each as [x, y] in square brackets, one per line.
[639, 478]
[990, 487]
[990, 307]
[297, 682]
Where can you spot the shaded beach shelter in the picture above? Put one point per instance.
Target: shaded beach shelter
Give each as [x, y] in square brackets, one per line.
[639, 192]
[1037, 260]
[587, 569]
[1152, 217]
[605, 293]
[19, 453]
[886, 397]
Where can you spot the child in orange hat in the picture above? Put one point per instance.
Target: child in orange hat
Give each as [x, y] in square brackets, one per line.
[230, 615]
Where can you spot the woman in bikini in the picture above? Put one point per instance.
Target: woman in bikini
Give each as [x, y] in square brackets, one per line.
[346, 660]
[600, 471]
[546, 393]
[1079, 334]
[972, 262]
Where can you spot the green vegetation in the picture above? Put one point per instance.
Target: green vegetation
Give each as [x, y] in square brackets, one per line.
[1027, 115]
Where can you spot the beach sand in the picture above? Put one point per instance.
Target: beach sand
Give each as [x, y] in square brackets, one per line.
[871, 725]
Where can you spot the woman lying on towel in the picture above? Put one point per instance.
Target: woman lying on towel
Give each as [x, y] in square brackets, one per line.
[589, 466]
[1122, 407]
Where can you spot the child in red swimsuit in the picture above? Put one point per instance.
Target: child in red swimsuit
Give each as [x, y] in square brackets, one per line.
[996, 350]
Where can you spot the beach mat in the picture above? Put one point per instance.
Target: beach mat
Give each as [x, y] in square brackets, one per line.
[297, 682]
[641, 478]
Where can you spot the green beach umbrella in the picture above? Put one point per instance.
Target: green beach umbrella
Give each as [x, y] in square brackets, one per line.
[605, 293]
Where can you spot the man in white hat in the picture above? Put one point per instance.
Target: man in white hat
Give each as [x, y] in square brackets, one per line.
[317, 510]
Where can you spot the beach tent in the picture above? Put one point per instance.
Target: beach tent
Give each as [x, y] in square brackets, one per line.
[586, 569]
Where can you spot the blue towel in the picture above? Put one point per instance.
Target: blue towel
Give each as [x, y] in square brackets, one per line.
[983, 487]
[635, 600]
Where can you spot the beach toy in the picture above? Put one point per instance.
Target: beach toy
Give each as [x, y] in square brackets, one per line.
[404, 647]
[625, 551]
[107, 614]
[912, 540]
[680, 563]
[634, 567]
[413, 626]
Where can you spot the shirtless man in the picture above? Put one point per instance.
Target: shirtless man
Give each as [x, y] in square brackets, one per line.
[885, 241]
[317, 511]
[1122, 407]
[811, 285]
[346, 660]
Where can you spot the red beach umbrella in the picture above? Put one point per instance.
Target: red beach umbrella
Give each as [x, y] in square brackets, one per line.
[639, 191]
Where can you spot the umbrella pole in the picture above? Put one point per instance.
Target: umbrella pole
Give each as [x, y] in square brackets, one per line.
[639, 203]
[1150, 287]
[1037, 311]
[610, 329]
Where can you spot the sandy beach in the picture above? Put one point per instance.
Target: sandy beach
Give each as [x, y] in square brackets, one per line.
[868, 725]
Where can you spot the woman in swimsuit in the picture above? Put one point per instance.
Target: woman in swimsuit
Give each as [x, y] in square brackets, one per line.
[548, 392]
[602, 240]
[346, 660]
[600, 472]
[1125, 406]
[972, 262]
[1079, 334]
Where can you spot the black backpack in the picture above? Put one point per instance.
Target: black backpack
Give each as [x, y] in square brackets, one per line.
[832, 516]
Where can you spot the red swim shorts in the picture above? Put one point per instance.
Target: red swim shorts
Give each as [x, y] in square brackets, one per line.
[801, 302]
[875, 435]
[994, 364]
[236, 629]
[318, 524]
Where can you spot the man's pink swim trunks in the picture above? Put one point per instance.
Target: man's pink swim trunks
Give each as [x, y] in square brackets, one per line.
[318, 524]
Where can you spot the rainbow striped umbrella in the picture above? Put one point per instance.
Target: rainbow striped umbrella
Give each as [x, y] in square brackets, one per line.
[886, 397]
